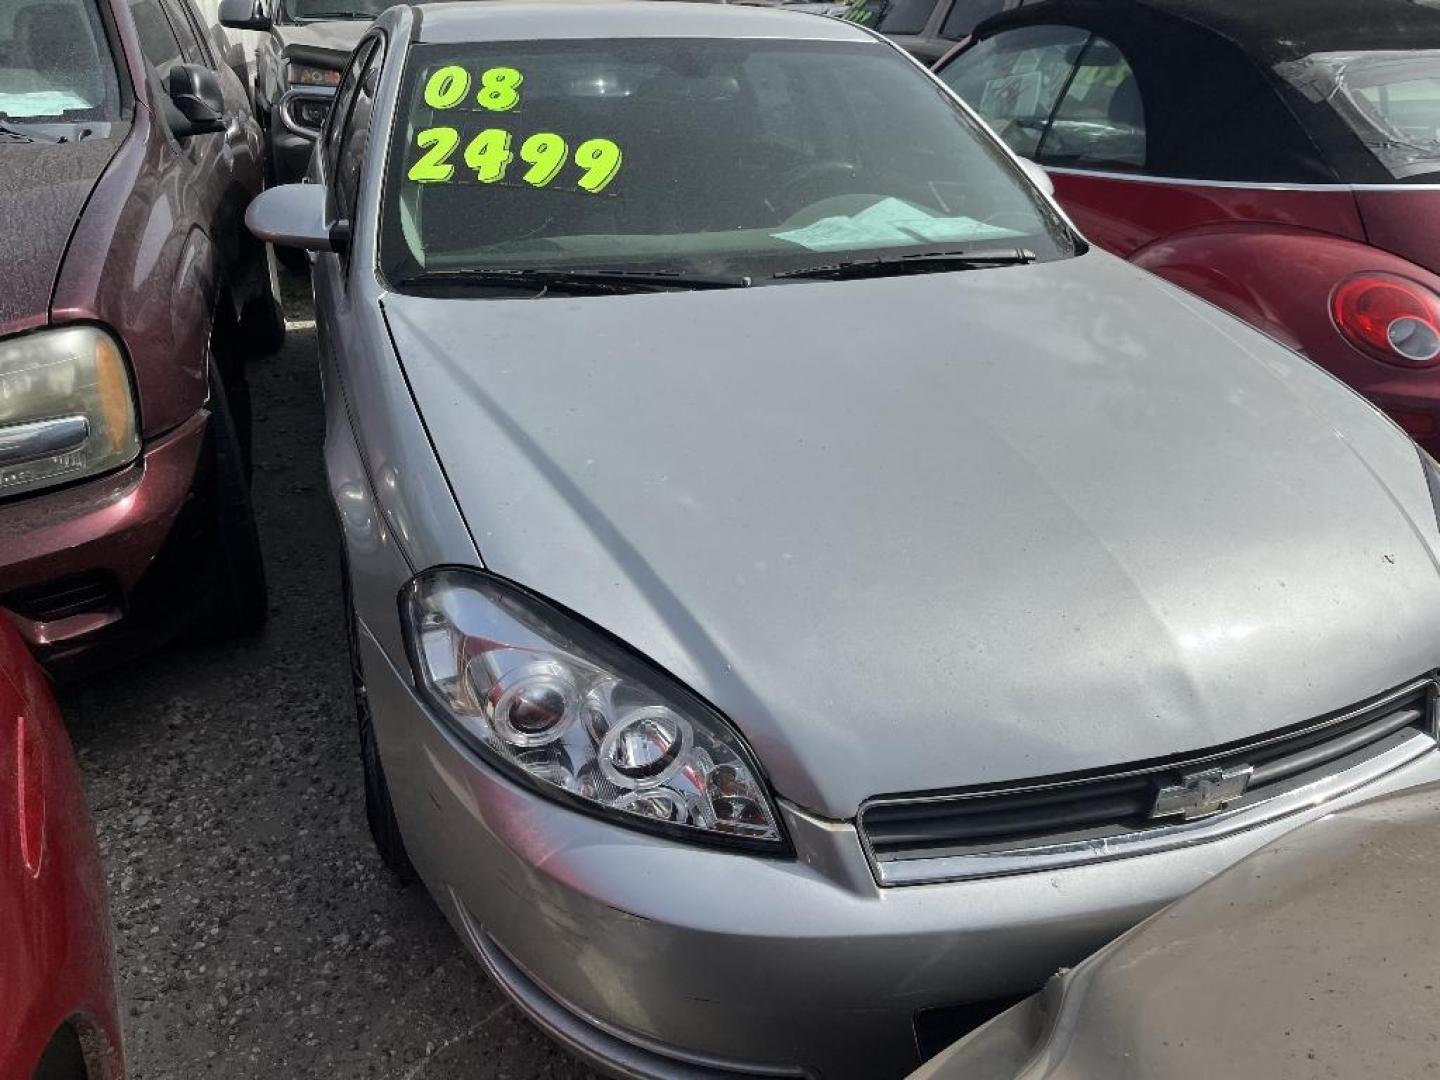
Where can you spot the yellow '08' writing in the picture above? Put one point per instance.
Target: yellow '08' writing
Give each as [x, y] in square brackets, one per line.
[489, 156]
[449, 87]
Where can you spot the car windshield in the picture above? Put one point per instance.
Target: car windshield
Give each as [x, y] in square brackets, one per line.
[1391, 100]
[55, 64]
[718, 157]
[325, 10]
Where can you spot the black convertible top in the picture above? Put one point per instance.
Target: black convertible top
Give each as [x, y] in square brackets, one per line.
[1212, 76]
[1278, 30]
[1274, 31]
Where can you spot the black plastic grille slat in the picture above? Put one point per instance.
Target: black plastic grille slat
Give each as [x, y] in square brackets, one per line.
[61, 599]
[1323, 753]
[1059, 810]
[986, 822]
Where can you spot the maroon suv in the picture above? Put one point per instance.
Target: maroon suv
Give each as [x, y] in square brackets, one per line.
[130, 296]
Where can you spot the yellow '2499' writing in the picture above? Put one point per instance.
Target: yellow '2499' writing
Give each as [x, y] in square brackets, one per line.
[490, 154]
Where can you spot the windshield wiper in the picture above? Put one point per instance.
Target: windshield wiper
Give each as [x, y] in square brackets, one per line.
[601, 281]
[921, 262]
[322, 16]
[13, 131]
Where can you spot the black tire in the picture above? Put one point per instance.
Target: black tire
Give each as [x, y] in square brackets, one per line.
[379, 810]
[262, 323]
[227, 370]
[293, 259]
[237, 601]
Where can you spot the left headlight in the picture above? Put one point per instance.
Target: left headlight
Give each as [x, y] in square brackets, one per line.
[577, 716]
[309, 75]
[67, 410]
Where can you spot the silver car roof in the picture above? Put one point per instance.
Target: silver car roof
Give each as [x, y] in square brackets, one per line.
[521, 20]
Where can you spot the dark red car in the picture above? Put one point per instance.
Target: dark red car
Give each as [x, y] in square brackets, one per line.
[1279, 158]
[58, 1018]
[130, 296]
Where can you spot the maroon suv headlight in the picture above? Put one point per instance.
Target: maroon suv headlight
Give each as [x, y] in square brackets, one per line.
[67, 409]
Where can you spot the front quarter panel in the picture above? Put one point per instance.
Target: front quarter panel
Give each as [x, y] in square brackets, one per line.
[138, 262]
[1371, 436]
[1280, 280]
[396, 510]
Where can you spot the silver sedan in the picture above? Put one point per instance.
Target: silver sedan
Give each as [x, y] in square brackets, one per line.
[798, 586]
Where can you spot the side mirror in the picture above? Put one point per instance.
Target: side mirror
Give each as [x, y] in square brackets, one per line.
[244, 15]
[294, 215]
[197, 100]
[1039, 176]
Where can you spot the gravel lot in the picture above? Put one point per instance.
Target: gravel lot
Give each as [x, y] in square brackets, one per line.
[258, 934]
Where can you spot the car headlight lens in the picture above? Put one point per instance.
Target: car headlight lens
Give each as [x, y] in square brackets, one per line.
[308, 75]
[577, 715]
[66, 408]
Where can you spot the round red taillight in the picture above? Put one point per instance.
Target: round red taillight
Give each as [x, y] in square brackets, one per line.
[1390, 317]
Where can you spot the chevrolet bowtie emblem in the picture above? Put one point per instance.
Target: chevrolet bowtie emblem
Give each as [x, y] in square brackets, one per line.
[1202, 794]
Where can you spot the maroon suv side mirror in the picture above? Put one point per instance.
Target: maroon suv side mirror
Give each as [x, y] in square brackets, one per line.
[197, 102]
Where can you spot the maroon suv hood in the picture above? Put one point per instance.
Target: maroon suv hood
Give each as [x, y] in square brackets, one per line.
[1406, 223]
[43, 188]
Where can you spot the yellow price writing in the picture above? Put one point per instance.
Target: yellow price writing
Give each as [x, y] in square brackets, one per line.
[601, 159]
[433, 167]
[489, 156]
[449, 87]
[546, 155]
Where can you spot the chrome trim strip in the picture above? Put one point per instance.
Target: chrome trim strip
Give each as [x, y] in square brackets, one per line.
[20, 443]
[1177, 764]
[303, 93]
[1238, 185]
[1152, 841]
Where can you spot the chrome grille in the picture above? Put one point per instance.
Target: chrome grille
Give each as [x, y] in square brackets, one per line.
[1067, 821]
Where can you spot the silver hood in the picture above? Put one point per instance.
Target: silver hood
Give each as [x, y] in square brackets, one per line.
[936, 531]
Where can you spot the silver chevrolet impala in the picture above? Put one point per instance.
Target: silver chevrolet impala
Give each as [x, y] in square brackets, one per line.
[798, 588]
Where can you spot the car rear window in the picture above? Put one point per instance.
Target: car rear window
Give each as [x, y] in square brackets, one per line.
[1389, 100]
[727, 156]
[55, 63]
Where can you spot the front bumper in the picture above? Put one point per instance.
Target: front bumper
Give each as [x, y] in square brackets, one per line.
[659, 959]
[105, 539]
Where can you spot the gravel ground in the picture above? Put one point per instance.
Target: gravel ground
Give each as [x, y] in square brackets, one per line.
[258, 934]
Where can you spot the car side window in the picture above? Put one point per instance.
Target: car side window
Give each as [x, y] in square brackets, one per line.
[192, 39]
[1100, 120]
[892, 16]
[965, 15]
[355, 138]
[1014, 80]
[158, 41]
[340, 107]
[906, 16]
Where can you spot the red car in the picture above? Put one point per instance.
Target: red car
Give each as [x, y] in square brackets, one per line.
[58, 1017]
[131, 298]
[1279, 158]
